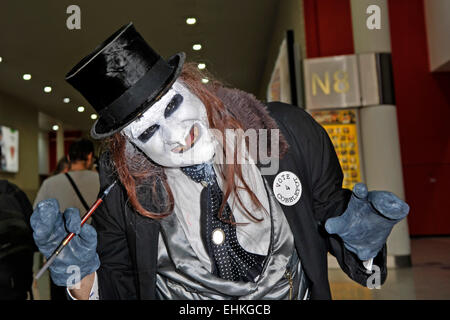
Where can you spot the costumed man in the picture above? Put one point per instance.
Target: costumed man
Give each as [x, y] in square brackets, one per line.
[185, 222]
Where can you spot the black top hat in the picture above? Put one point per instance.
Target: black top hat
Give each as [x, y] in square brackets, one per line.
[122, 78]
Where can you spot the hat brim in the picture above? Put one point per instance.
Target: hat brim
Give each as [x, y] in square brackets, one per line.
[102, 129]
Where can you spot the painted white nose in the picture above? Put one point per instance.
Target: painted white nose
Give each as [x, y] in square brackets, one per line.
[174, 134]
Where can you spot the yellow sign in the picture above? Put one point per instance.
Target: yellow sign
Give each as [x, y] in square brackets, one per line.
[342, 130]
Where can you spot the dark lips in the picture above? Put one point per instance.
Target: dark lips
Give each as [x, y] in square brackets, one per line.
[190, 140]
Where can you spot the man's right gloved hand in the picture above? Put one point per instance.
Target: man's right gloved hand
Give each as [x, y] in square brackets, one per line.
[50, 227]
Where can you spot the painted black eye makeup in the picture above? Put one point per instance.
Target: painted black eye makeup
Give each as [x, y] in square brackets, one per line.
[173, 105]
[147, 134]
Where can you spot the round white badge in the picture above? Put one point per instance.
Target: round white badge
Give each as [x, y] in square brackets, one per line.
[287, 188]
[218, 236]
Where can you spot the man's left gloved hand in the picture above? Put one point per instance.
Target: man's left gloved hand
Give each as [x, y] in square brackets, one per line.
[368, 220]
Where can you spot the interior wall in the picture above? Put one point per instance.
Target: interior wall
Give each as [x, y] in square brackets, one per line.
[437, 21]
[289, 17]
[330, 30]
[423, 108]
[20, 115]
[43, 153]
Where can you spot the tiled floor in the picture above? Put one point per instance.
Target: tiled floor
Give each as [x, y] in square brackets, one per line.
[428, 278]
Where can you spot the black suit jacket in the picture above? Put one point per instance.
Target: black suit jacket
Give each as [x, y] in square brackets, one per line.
[128, 242]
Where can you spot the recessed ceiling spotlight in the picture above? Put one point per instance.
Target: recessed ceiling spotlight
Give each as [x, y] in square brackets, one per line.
[191, 20]
[66, 100]
[47, 89]
[1, 59]
[201, 66]
[55, 127]
[204, 80]
[197, 47]
[93, 116]
[26, 76]
[80, 109]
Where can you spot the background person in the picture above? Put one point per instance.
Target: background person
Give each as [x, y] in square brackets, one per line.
[16, 243]
[62, 166]
[81, 160]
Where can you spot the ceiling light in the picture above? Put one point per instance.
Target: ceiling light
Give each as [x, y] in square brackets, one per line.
[55, 127]
[201, 66]
[1, 59]
[47, 89]
[66, 100]
[204, 80]
[191, 20]
[80, 109]
[93, 116]
[26, 76]
[197, 47]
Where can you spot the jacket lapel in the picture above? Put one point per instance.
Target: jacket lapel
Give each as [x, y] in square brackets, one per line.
[298, 215]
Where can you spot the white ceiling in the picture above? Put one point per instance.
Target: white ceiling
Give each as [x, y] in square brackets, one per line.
[235, 35]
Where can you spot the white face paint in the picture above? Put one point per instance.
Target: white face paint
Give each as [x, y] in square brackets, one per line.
[174, 131]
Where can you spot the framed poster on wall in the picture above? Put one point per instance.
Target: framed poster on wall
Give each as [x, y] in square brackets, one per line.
[9, 149]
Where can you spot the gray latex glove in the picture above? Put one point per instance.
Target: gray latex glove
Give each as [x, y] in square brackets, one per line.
[368, 221]
[50, 227]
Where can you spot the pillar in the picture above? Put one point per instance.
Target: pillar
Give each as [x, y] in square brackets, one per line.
[379, 130]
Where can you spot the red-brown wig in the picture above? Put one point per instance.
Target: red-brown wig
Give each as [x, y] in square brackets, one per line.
[134, 168]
